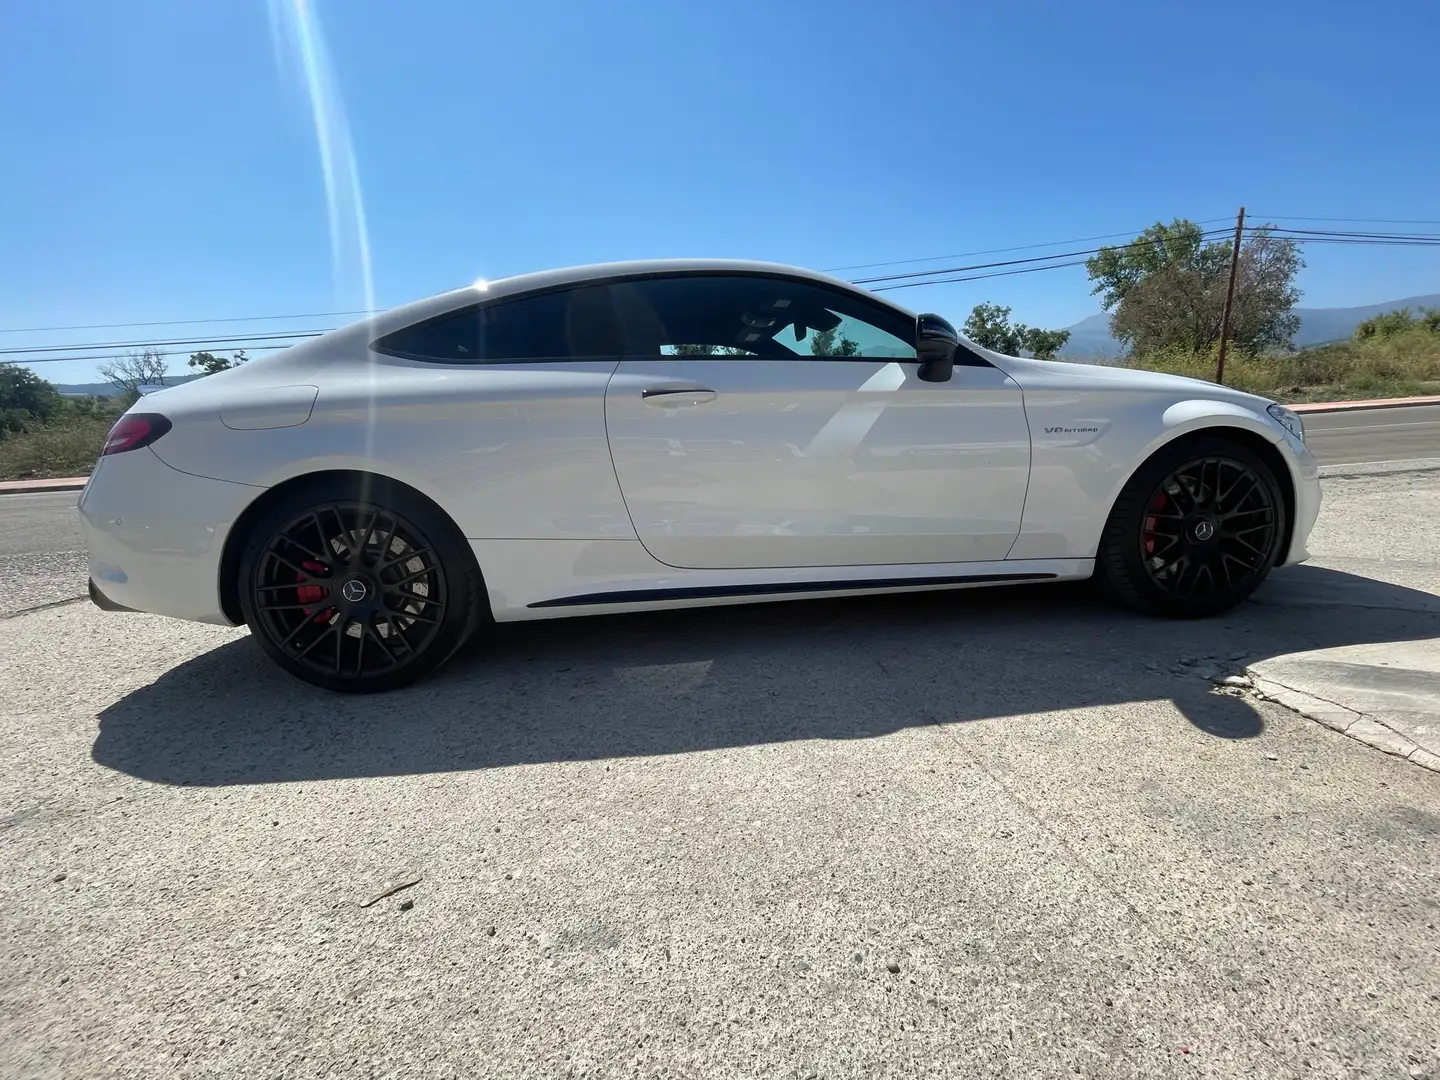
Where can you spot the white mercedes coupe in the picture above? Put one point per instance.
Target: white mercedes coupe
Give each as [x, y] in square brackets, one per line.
[635, 436]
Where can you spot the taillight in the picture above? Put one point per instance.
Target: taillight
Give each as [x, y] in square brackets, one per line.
[133, 431]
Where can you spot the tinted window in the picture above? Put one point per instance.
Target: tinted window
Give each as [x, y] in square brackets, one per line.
[755, 314]
[549, 326]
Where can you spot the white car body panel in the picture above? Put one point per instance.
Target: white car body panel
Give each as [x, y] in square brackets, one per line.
[155, 535]
[1090, 428]
[814, 472]
[814, 462]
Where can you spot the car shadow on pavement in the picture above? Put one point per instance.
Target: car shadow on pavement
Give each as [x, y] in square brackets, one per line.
[682, 681]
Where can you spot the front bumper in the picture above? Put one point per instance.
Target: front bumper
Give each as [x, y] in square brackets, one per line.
[1305, 473]
[156, 535]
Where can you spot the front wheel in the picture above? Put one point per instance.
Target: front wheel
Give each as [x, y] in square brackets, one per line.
[358, 587]
[1195, 531]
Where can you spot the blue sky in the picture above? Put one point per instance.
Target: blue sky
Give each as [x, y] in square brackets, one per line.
[161, 158]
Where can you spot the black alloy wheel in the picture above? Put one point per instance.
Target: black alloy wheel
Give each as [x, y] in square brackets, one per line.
[358, 593]
[1209, 528]
[1195, 531]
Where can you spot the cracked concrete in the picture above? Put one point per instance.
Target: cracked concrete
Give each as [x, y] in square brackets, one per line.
[1387, 696]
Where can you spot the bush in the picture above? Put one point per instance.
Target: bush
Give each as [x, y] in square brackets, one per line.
[1394, 323]
[1383, 363]
[68, 447]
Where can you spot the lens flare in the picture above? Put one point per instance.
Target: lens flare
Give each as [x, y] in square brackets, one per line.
[299, 43]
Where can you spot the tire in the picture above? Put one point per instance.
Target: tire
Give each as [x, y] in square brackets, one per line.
[359, 586]
[1194, 531]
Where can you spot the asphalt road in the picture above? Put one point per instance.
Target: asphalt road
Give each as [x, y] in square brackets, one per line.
[1353, 436]
[47, 523]
[1009, 833]
[39, 524]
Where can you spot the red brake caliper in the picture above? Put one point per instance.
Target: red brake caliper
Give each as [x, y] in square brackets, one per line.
[1148, 529]
[313, 594]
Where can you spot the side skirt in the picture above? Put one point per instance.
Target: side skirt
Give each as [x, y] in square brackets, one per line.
[783, 588]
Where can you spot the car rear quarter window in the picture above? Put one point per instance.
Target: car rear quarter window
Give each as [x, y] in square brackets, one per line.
[564, 325]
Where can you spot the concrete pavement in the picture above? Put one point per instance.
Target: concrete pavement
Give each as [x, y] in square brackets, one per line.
[1387, 696]
[1006, 833]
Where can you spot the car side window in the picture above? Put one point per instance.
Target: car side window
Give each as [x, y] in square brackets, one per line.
[568, 324]
[756, 315]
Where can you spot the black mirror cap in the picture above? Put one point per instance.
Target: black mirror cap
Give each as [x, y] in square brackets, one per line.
[936, 343]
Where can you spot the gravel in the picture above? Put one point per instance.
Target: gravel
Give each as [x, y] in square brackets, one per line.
[33, 580]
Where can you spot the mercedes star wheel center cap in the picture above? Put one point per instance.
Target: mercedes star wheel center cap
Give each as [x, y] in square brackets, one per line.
[1204, 530]
[355, 591]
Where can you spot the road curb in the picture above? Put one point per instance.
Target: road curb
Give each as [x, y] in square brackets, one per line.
[1348, 722]
[1379, 468]
[37, 487]
[1373, 403]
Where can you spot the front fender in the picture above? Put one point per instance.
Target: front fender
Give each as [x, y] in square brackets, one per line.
[1183, 417]
[1085, 449]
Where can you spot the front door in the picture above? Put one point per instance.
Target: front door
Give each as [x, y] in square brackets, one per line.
[763, 421]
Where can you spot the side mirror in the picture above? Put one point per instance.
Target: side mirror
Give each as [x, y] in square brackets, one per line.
[935, 344]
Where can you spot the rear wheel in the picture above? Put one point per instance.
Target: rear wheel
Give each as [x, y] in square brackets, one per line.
[1195, 531]
[358, 587]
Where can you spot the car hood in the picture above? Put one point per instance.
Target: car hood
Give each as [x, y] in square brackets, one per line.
[1053, 374]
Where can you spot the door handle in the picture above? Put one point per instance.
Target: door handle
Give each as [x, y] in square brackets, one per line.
[676, 397]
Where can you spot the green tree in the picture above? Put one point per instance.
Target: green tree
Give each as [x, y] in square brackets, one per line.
[825, 343]
[24, 392]
[209, 364]
[710, 350]
[1167, 288]
[989, 326]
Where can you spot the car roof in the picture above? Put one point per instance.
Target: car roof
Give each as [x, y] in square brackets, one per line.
[480, 291]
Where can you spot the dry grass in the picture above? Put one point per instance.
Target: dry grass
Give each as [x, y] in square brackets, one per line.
[1399, 366]
[67, 447]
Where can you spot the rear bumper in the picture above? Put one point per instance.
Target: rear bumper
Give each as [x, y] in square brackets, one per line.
[155, 536]
[103, 602]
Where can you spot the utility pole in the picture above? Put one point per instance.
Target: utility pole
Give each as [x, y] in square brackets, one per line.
[1229, 299]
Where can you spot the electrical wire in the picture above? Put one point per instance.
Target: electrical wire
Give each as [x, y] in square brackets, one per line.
[1001, 251]
[979, 277]
[1352, 221]
[178, 322]
[1208, 235]
[881, 283]
[157, 344]
[117, 356]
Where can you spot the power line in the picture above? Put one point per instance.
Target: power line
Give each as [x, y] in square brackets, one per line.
[156, 344]
[178, 322]
[979, 277]
[1081, 262]
[1363, 243]
[1352, 221]
[113, 356]
[1208, 234]
[1001, 251]
[884, 283]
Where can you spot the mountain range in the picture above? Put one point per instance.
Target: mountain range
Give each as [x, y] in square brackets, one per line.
[1091, 337]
